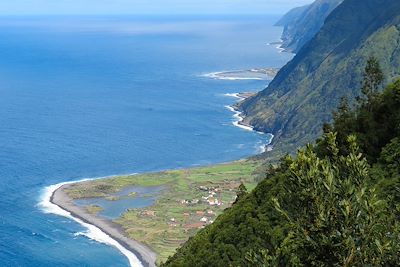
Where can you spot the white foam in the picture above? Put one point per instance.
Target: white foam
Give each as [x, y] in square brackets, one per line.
[238, 119]
[220, 76]
[261, 148]
[245, 127]
[279, 46]
[239, 78]
[268, 147]
[235, 95]
[270, 141]
[231, 109]
[92, 231]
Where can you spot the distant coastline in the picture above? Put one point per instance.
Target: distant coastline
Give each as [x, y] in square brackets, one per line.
[239, 118]
[266, 74]
[238, 114]
[279, 45]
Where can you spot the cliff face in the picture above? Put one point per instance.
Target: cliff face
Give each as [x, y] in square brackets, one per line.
[293, 15]
[330, 66]
[302, 23]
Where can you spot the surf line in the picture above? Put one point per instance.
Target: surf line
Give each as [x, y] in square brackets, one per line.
[93, 232]
[238, 122]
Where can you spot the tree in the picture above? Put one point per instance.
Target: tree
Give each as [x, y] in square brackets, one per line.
[241, 192]
[344, 118]
[334, 217]
[372, 79]
[390, 158]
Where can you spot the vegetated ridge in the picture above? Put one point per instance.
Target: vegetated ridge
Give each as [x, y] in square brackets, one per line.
[302, 23]
[300, 98]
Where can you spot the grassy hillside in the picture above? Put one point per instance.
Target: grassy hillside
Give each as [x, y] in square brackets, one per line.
[335, 204]
[304, 92]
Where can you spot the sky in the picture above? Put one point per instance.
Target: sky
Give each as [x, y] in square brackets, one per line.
[79, 7]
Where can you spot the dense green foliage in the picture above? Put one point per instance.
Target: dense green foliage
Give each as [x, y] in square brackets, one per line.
[334, 218]
[376, 117]
[335, 204]
[302, 23]
[301, 97]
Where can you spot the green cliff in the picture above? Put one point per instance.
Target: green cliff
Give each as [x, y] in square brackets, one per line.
[302, 23]
[304, 92]
[291, 16]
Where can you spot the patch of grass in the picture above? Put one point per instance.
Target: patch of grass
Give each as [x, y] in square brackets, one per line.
[93, 209]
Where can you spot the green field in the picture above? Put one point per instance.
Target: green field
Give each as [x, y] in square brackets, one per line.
[186, 199]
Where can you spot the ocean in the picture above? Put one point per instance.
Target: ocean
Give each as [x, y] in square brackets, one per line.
[84, 97]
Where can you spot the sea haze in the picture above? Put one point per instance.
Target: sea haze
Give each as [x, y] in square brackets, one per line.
[96, 96]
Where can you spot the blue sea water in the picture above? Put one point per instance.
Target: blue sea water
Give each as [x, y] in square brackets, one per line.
[96, 96]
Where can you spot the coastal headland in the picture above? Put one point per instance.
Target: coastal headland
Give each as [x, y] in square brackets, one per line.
[253, 74]
[189, 200]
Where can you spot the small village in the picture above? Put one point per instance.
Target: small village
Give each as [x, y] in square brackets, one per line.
[201, 211]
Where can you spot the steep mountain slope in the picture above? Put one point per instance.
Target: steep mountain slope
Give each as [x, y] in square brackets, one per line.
[304, 92]
[302, 23]
[329, 206]
[291, 16]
